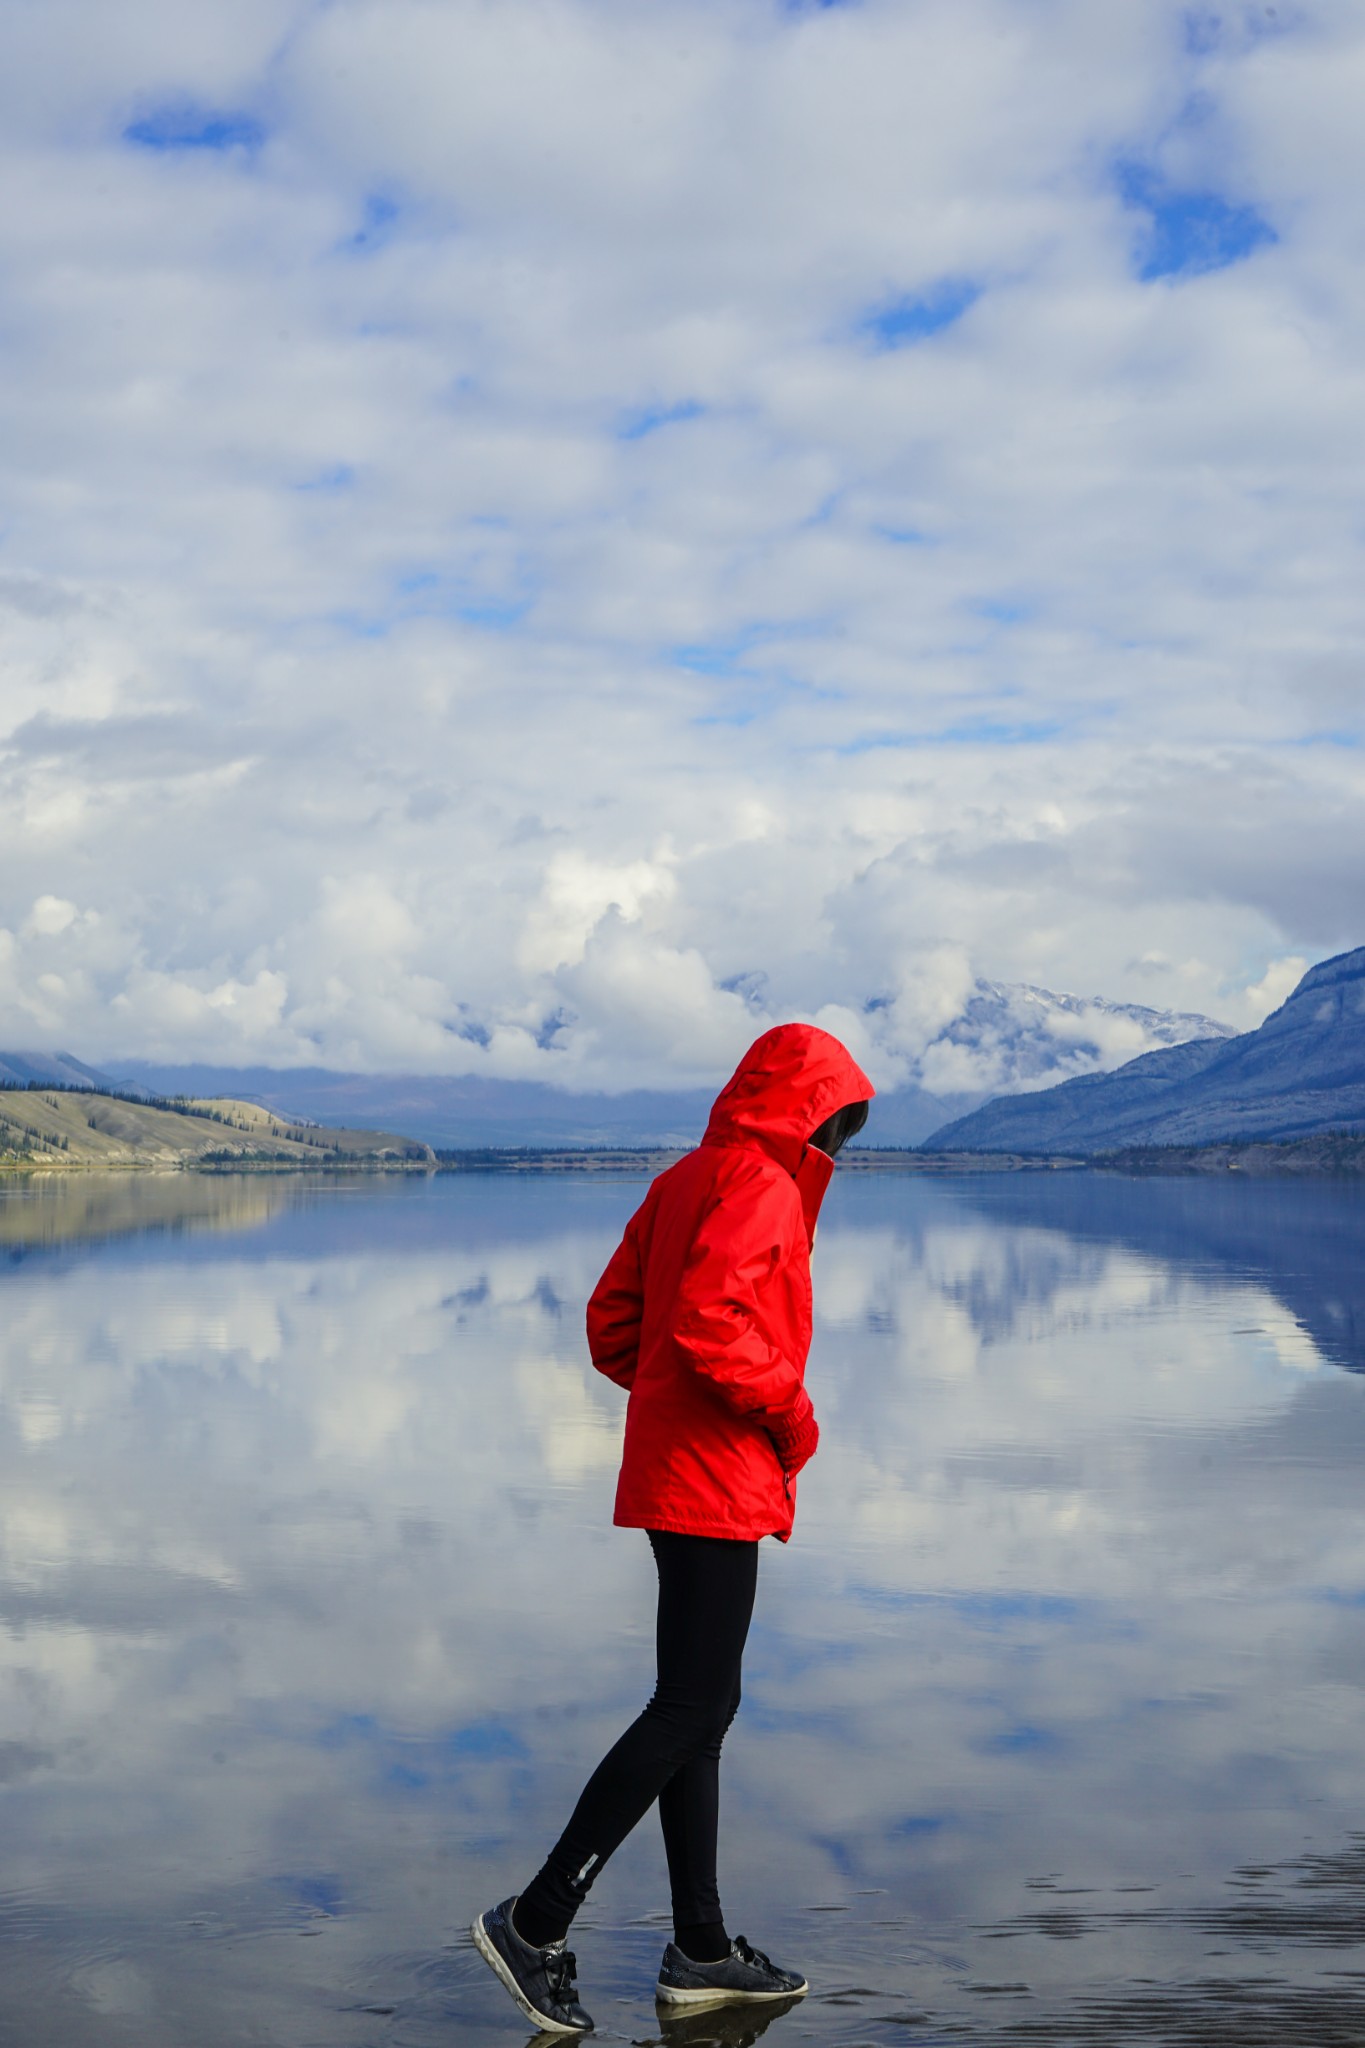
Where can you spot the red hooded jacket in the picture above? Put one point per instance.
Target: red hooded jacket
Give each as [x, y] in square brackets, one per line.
[704, 1311]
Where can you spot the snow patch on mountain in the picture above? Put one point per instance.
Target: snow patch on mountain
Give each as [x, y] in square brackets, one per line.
[1008, 1038]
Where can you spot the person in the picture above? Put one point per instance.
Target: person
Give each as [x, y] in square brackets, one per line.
[704, 1316]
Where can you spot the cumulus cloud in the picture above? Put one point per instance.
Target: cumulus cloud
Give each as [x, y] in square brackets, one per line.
[536, 538]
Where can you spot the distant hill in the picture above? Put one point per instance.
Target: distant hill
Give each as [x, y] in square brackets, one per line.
[60, 1127]
[1302, 1072]
[446, 1110]
[472, 1111]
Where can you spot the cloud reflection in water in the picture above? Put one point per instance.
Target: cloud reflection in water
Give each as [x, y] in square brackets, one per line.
[314, 1617]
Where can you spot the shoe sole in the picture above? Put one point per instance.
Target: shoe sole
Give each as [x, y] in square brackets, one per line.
[504, 1975]
[666, 1994]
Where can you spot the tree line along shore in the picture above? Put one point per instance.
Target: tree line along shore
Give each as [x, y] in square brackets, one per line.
[1323, 1155]
[44, 1126]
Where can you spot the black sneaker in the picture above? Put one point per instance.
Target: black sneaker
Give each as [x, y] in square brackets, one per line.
[746, 1973]
[540, 1979]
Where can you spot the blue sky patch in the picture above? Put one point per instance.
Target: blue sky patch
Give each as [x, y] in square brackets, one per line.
[361, 625]
[430, 594]
[741, 716]
[378, 225]
[184, 125]
[1203, 31]
[648, 419]
[717, 657]
[973, 732]
[1188, 234]
[340, 477]
[998, 732]
[731, 656]
[1001, 611]
[494, 614]
[900, 322]
[1329, 736]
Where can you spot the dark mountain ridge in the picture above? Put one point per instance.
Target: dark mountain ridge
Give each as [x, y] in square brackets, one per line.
[49, 1070]
[1301, 1072]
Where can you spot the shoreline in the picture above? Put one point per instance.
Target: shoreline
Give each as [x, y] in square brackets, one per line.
[1331, 1156]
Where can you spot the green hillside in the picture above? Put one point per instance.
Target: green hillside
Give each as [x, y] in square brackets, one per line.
[61, 1127]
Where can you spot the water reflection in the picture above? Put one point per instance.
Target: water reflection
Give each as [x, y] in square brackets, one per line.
[1306, 1241]
[46, 1209]
[313, 1615]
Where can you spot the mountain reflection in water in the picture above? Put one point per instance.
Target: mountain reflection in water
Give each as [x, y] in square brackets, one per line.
[1306, 1241]
[314, 1617]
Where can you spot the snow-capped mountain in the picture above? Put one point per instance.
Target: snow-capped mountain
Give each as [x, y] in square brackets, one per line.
[1007, 1038]
[1012, 1037]
[1301, 1072]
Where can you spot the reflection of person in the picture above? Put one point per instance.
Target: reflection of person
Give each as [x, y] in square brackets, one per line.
[722, 2026]
[704, 1315]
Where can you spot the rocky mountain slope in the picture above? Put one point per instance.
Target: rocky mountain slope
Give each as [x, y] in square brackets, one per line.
[1302, 1071]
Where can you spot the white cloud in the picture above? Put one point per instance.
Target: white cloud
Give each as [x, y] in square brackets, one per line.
[1275, 986]
[474, 585]
[49, 916]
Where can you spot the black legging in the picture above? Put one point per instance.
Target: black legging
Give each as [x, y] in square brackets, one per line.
[672, 1752]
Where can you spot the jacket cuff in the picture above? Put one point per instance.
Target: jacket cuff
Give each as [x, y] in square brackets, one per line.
[796, 1433]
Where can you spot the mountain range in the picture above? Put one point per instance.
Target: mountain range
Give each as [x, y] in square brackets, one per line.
[1006, 1035]
[1301, 1072]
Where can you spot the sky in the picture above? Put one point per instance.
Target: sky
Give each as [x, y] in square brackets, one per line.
[539, 536]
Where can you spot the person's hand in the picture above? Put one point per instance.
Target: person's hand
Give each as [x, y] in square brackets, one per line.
[796, 1437]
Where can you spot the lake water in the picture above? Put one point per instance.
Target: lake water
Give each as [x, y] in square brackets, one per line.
[314, 1617]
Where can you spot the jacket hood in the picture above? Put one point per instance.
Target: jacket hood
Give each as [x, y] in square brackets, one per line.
[787, 1083]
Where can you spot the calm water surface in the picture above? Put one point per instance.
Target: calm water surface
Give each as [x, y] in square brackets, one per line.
[314, 1618]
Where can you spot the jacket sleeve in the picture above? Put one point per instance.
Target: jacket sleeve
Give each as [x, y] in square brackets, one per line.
[615, 1310]
[742, 1243]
